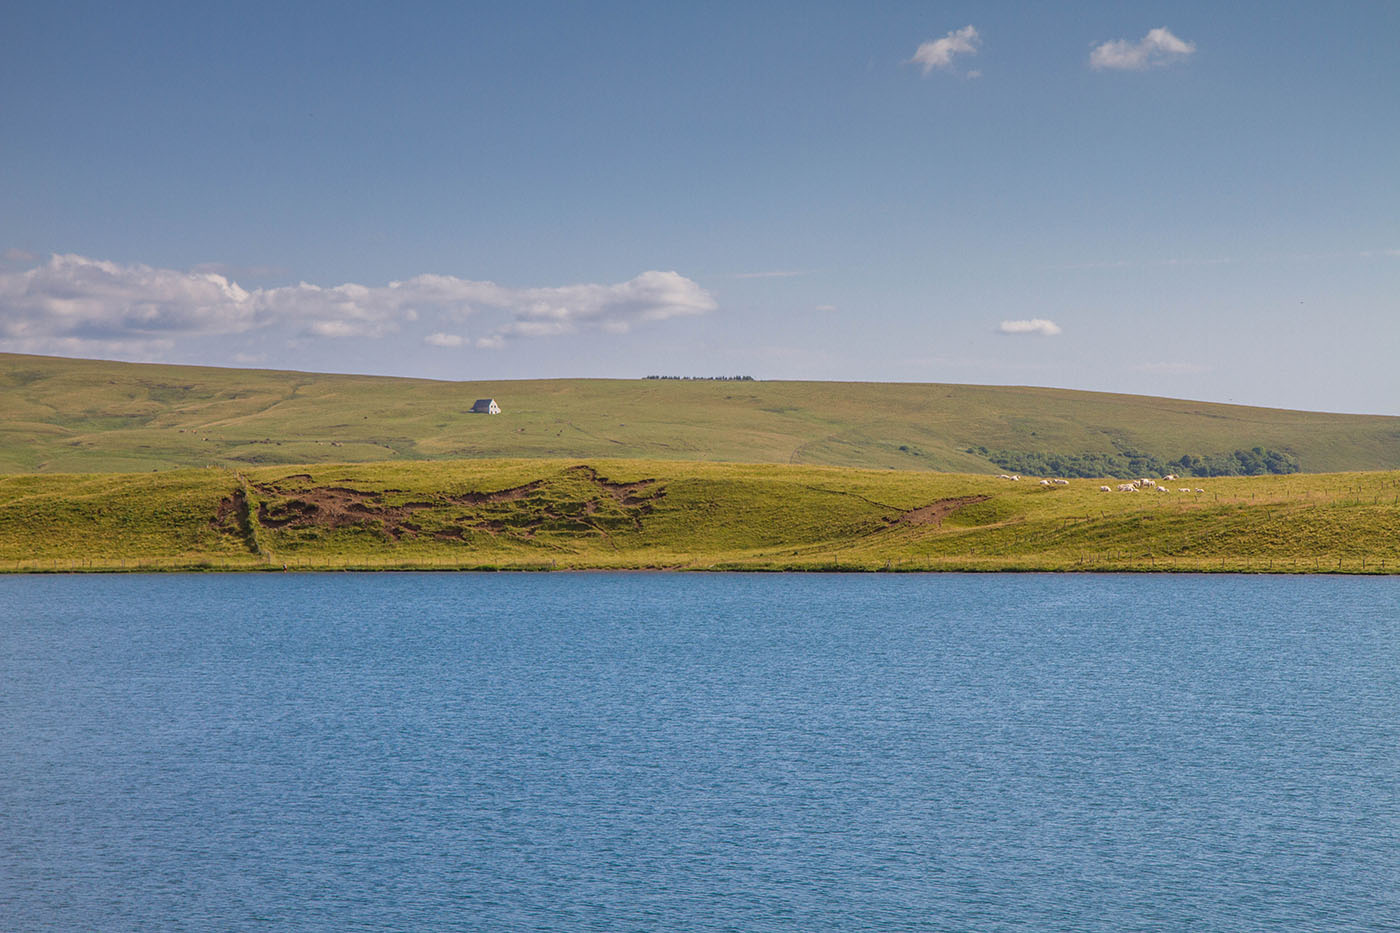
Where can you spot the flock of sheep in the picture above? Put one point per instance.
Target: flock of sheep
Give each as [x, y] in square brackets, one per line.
[1134, 486]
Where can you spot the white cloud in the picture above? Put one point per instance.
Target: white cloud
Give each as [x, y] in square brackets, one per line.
[939, 53]
[444, 340]
[99, 304]
[493, 342]
[1159, 47]
[1038, 326]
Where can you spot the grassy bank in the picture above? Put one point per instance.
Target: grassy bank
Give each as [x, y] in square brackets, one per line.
[657, 514]
[62, 415]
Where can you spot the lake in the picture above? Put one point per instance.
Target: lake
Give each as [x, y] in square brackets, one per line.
[699, 752]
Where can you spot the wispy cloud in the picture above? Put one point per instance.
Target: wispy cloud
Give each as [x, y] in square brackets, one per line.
[1038, 327]
[440, 339]
[1145, 263]
[940, 53]
[1159, 47]
[83, 303]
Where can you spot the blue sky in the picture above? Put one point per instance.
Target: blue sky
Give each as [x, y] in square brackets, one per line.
[1197, 200]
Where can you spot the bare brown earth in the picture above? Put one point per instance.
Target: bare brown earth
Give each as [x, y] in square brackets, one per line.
[287, 504]
[594, 504]
[935, 512]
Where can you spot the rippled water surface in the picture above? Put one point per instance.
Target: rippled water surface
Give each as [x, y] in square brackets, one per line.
[699, 752]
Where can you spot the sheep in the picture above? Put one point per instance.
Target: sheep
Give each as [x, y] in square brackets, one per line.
[1045, 482]
[1200, 490]
[1061, 482]
[1163, 489]
[1183, 490]
[1015, 479]
[1004, 476]
[1127, 487]
[1105, 489]
[1169, 476]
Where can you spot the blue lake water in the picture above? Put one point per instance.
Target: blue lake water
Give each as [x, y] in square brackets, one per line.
[699, 752]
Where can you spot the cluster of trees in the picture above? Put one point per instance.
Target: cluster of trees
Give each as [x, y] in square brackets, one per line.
[1127, 463]
[705, 378]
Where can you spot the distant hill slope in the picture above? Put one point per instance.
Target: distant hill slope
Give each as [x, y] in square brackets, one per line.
[64, 415]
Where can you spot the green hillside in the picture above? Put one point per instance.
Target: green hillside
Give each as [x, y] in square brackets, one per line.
[63, 415]
[636, 514]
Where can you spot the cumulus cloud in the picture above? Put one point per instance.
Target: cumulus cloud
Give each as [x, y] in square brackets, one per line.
[1159, 47]
[939, 53]
[74, 298]
[444, 340]
[1037, 326]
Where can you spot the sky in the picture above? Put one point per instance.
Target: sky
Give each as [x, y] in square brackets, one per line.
[1196, 200]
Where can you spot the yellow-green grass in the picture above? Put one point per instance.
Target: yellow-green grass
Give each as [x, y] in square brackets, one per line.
[656, 514]
[63, 415]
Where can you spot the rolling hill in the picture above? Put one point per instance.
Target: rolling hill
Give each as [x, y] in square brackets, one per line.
[67, 415]
[538, 514]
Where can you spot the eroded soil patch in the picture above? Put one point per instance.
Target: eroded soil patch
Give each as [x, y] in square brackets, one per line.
[577, 501]
[935, 512]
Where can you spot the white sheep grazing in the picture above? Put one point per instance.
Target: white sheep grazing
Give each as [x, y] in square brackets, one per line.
[1045, 482]
[1183, 490]
[1015, 479]
[1061, 482]
[1200, 490]
[1126, 487]
[1147, 482]
[1004, 476]
[1169, 476]
[1163, 489]
[1105, 489]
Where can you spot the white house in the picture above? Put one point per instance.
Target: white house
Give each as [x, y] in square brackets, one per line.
[486, 406]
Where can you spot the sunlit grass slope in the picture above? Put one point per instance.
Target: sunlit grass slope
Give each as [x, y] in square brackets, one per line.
[637, 514]
[62, 415]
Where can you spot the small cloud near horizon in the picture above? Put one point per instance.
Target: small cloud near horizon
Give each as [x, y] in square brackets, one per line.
[440, 339]
[1154, 50]
[940, 53]
[1038, 327]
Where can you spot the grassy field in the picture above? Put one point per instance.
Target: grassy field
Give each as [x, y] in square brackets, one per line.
[654, 514]
[62, 415]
